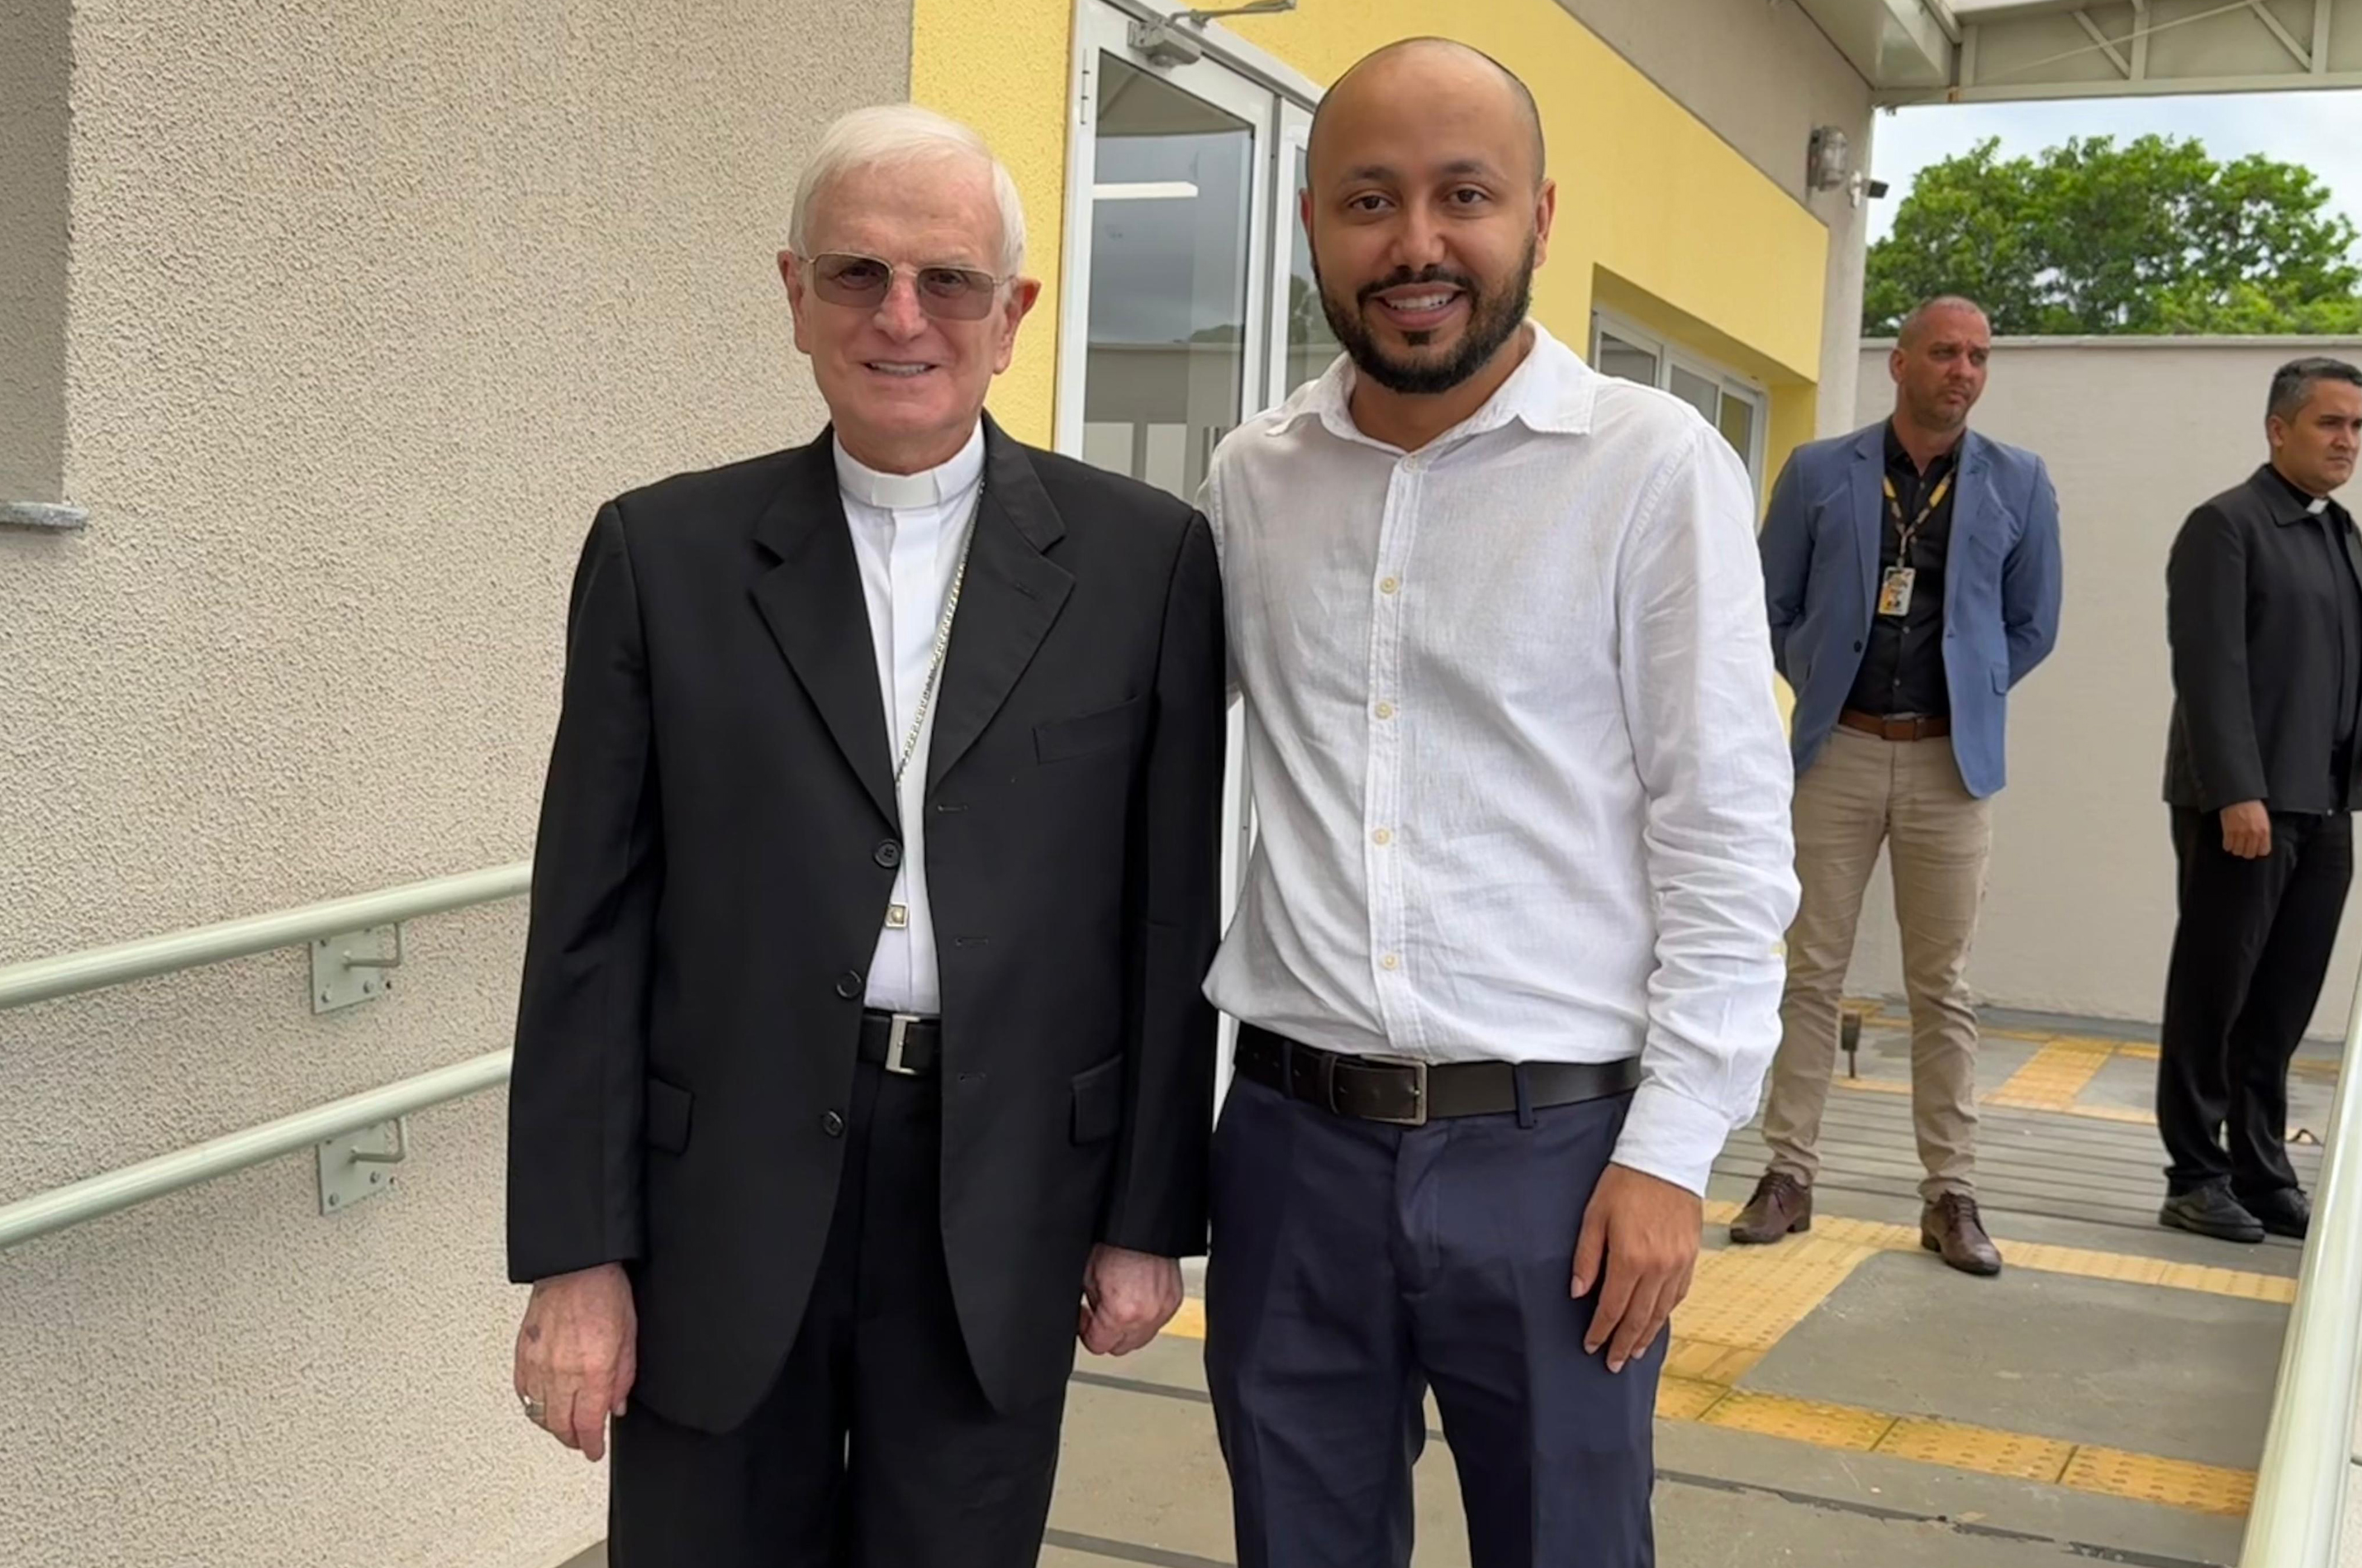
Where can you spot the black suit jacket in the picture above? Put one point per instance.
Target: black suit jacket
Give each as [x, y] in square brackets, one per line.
[714, 867]
[2252, 612]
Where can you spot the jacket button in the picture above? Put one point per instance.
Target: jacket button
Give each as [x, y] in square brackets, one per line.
[831, 1123]
[1857, 647]
[888, 855]
[849, 986]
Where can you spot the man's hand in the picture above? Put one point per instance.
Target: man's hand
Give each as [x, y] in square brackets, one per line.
[1127, 1298]
[2247, 830]
[577, 1353]
[1646, 1232]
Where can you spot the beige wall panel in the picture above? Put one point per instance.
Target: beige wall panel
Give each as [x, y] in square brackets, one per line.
[370, 305]
[2080, 914]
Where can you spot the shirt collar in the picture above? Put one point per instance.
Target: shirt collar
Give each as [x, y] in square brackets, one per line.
[911, 493]
[2289, 502]
[1898, 456]
[1552, 391]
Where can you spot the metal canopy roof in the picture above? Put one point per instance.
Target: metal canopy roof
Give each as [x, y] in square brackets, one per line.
[1916, 51]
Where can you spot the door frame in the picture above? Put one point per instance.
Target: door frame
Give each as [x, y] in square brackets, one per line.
[1103, 27]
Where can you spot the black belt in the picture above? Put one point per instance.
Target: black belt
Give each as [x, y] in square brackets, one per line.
[1411, 1093]
[903, 1043]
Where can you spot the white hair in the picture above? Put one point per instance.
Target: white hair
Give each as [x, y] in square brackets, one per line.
[904, 134]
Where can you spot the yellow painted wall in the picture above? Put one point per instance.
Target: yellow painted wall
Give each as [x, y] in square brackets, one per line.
[1657, 215]
[1004, 67]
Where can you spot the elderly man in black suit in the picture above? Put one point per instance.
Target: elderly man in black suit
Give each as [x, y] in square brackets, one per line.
[861, 1055]
[2264, 611]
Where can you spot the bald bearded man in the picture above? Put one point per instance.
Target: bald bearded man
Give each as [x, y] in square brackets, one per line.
[1508, 964]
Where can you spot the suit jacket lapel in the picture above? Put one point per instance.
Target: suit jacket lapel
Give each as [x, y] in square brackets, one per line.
[813, 603]
[1869, 509]
[1013, 596]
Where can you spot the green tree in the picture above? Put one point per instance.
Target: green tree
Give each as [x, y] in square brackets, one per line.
[2151, 237]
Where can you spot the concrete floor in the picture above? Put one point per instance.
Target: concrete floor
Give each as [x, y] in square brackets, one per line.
[2158, 1385]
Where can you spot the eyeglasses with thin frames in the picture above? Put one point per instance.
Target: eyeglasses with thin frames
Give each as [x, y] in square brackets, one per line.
[861, 282]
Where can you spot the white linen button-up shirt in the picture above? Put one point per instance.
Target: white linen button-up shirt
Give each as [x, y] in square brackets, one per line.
[1521, 786]
[908, 532]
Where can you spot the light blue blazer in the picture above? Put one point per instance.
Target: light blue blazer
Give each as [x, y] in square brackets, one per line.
[1820, 546]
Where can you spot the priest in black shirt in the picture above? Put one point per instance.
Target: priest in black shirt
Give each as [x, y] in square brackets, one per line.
[2264, 614]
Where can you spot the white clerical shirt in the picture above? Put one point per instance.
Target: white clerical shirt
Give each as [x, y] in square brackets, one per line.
[908, 530]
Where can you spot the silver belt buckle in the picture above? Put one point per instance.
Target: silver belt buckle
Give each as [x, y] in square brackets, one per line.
[1418, 1118]
[896, 1034]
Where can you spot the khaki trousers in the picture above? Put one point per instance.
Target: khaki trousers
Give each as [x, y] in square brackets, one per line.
[1859, 793]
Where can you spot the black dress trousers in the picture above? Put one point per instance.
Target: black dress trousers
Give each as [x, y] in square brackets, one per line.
[876, 1447]
[2249, 956]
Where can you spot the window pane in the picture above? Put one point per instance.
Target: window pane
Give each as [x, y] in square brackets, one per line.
[1738, 425]
[1168, 280]
[1310, 345]
[1700, 392]
[1618, 358]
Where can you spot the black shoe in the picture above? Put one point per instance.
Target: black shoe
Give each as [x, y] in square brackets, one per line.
[2211, 1210]
[2283, 1211]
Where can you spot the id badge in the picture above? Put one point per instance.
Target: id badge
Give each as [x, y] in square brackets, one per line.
[1894, 590]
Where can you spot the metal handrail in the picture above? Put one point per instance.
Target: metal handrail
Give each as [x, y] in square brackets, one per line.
[41, 979]
[2300, 1503]
[88, 1198]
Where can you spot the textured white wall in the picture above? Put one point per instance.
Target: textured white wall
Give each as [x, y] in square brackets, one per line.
[369, 305]
[2080, 912]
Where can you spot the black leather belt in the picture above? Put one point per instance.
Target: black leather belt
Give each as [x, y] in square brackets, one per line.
[904, 1044]
[1411, 1093]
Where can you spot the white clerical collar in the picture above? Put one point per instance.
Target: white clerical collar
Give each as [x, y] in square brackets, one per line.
[907, 492]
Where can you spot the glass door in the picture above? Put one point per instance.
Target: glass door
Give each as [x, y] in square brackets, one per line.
[1159, 349]
[1189, 304]
[1301, 344]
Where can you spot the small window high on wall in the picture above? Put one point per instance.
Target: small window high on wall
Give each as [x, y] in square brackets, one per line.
[1731, 403]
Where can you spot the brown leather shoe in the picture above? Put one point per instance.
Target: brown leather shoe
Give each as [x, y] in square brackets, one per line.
[1950, 1226]
[1782, 1205]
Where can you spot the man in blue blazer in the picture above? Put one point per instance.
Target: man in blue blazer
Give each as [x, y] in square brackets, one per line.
[1912, 575]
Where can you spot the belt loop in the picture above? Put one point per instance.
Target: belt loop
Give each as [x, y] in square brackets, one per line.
[1525, 1095]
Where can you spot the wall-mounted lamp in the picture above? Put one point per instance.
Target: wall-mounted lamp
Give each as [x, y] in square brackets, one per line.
[1828, 159]
[1829, 166]
[1181, 40]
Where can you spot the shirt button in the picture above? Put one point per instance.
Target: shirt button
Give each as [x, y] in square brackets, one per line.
[1382, 837]
[1389, 962]
[849, 986]
[831, 1123]
[888, 855]
[1386, 709]
[1389, 585]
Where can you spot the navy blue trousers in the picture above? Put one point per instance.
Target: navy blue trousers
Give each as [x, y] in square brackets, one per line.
[1357, 1265]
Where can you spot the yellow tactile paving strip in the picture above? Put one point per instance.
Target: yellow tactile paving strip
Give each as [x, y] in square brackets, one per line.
[2054, 1080]
[2057, 1075]
[2081, 1467]
[1743, 1300]
[2130, 1268]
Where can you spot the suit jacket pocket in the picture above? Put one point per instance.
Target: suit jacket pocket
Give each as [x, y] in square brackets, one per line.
[666, 1124]
[1098, 1101]
[1087, 733]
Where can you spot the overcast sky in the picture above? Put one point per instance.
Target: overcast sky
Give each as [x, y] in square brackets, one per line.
[2321, 130]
